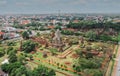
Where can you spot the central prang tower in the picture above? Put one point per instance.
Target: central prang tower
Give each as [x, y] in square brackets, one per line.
[57, 41]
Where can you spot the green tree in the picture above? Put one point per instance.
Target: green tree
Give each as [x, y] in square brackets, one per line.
[21, 71]
[21, 58]
[29, 31]
[43, 71]
[105, 37]
[12, 57]
[10, 48]
[93, 72]
[28, 46]
[91, 35]
[67, 32]
[2, 51]
[25, 35]
[119, 37]
[9, 67]
[58, 27]
[51, 72]
[38, 34]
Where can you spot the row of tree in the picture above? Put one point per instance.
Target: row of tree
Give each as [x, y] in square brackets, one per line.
[17, 63]
[93, 25]
[18, 69]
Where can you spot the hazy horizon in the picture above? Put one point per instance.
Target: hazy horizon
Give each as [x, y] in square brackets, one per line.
[53, 6]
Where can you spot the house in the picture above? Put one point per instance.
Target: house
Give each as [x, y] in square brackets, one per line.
[76, 21]
[10, 29]
[11, 35]
[24, 22]
[1, 35]
[51, 27]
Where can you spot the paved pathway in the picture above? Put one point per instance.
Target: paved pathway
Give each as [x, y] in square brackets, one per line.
[117, 70]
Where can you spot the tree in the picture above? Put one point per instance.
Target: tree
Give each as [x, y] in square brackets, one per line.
[29, 31]
[67, 32]
[42, 28]
[9, 67]
[31, 57]
[9, 49]
[119, 37]
[5, 67]
[12, 57]
[22, 71]
[38, 34]
[25, 35]
[58, 27]
[2, 52]
[51, 72]
[18, 69]
[21, 58]
[93, 72]
[91, 35]
[28, 46]
[11, 43]
[105, 37]
[43, 71]
[83, 63]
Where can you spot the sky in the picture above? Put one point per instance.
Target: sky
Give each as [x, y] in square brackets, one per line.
[53, 6]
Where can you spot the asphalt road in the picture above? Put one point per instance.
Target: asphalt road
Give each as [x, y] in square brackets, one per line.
[118, 64]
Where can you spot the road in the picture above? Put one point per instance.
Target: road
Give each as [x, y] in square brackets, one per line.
[116, 70]
[118, 67]
[118, 64]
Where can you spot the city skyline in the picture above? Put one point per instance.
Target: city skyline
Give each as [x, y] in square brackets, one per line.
[52, 6]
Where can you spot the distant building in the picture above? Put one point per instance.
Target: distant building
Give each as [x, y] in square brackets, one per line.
[76, 21]
[1, 35]
[116, 21]
[9, 29]
[51, 27]
[24, 22]
[10, 35]
[53, 22]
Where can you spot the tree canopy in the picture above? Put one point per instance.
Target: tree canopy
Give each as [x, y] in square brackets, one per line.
[28, 46]
[25, 35]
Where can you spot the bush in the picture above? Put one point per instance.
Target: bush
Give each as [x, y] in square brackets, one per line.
[2, 51]
[67, 32]
[11, 43]
[28, 46]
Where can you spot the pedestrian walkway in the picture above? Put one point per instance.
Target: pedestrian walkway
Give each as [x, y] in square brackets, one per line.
[116, 67]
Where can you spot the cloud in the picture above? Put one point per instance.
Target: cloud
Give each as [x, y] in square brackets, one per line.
[3, 2]
[21, 3]
[45, 1]
[38, 6]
